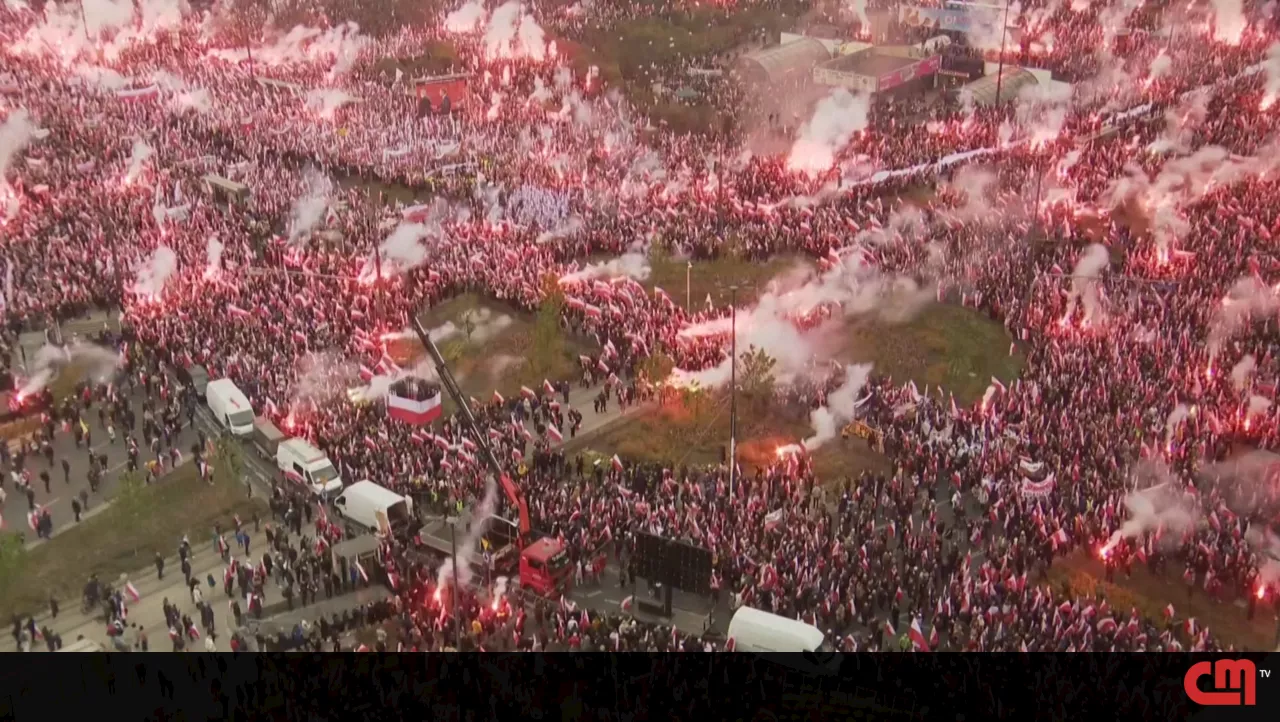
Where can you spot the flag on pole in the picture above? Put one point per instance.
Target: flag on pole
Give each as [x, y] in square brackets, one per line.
[132, 591]
[917, 636]
[364, 577]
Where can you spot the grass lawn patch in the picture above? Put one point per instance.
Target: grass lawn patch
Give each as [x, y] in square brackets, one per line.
[494, 346]
[713, 278]
[674, 434]
[1150, 594]
[121, 539]
[952, 346]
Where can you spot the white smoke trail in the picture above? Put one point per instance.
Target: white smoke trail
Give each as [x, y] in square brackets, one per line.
[155, 272]
[309, 209]
[840, 409]
[1159, 507]
[139, 155]
[1271, 66]
[632, 265]
[851, 288]
[14, 136]
[1248, 298]
[1243, 372]
[1176, 417]
[467, 547]
[466, 19]
[513, 33]
[213, 256]
[1229, 22]
[324, 102]
[1084, 281]
[98, 363]
[835, 120]
[400, 252]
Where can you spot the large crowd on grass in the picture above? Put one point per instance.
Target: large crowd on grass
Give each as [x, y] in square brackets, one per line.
[956, 540]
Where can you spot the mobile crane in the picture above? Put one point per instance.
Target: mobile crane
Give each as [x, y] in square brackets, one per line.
[542, 561]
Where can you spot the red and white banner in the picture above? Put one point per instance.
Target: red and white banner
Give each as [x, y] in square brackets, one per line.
[412, 411]
[1038, 489]
[149, 91]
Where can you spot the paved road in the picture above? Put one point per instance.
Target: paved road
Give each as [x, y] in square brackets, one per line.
[62, 489]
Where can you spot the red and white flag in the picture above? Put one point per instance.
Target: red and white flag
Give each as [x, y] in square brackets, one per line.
[917, 636]
[616, 462]
[364, 577]
[413, 411]
[132, 591]
[554, 434]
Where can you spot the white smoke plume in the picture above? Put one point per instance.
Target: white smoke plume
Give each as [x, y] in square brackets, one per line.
[213, 257]
[513, 33]
[1176, 417]
[1155, 508]
[400, 252]
[139, 155]
[466, 19]
[309, 209]
[1229, 22]
[859, 10]
[1271, 86]
[1161, 64]
[155, 272]
[98, 363]
[566, 230]
[1042, 111]
[1248, 298]
[840, 408]
[1084, 282]
[633, 265]
[467, 547]
[835, 120]
[339, 47]
[1242, 372]
[321, 376]
[850, 289]
[324, 102]
[1258, 406]
[14, 136]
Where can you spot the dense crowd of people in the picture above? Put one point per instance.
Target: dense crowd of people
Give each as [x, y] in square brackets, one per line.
[107, 205]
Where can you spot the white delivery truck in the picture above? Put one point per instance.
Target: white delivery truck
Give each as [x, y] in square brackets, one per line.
[753, 630]
[368, 507]
[230, 406]
[304, 464]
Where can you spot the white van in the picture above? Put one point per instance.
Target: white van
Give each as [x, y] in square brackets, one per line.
[370, 507]
[753, 630]
[230, 406]
[305, 464]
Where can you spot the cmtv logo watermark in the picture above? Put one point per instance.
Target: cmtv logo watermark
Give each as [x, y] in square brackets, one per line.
[1238, 677]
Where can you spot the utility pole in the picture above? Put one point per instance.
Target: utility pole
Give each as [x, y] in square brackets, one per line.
[1004, 33]
[733, 390]
[457, 590]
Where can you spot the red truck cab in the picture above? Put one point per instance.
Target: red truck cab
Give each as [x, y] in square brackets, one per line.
[545, 568]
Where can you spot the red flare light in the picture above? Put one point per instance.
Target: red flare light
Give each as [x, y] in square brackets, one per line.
[1261, 593]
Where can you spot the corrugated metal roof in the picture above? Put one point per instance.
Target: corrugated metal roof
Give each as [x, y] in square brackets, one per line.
[781, 61]
[983, 90]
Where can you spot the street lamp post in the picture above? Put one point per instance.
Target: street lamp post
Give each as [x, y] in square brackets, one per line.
[733, 390]
[457, 590]
[688, 292]
[1004, 33]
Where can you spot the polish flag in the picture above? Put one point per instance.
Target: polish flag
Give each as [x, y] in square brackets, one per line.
[554, 434]
[889, 630]
[413, 411]
[917, 636]
[238, 312]
[497, 398]
[616, 462]
[626, 603]
[366, 373]
[592, 311]
[1168, 612]
[132, 591]
[546, 386]
[360, 570]
[528, 392]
